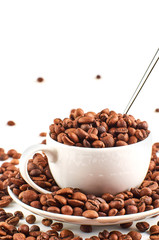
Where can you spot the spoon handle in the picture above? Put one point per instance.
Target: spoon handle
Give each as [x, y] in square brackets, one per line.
[143, 80]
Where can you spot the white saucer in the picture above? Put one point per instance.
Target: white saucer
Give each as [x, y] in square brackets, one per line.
[82, 220]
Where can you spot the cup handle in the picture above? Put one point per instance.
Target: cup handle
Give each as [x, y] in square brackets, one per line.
[28, 153]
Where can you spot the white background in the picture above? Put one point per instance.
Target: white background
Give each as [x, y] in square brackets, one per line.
[68, 43]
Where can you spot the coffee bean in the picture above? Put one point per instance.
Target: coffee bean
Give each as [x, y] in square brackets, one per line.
[57, 226]
[154, 229]
[135, 235]
[79, 196]
[90, 214]
[67, 210]
[43, 236]
[66, 234]
[34, 228]
[117, 203]
[53, 209]
[154, 236]
[19, 236]
[29, 195]
[86, 228]
[12, 220]
[86, 120]
[92, 205]
[65, 191]
[98, 77]
[10, 123]
[126, 225]
[42, 134]
[46, 222]
[112, 212]
[104, 234]
[40, 79]
[142, 226]
[130, 209]
[98, 144]
[31, 219]
[125, 236]
[108, 141]
[114, 235]
[23, 229]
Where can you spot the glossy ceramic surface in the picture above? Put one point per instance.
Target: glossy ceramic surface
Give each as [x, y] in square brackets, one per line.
[94, 171]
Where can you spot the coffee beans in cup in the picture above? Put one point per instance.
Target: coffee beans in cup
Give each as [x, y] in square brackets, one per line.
[98, 130]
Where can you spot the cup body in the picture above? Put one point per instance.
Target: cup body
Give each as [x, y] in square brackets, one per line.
[97, 171]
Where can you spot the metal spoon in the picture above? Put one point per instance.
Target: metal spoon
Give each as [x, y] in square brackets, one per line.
[143, 80]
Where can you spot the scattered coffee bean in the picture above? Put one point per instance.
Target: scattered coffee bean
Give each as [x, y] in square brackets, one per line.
[47, 222]
[98, 77]
[57, 226]
[157, 110]
[42, 134]
[34, 228]
[10, 123]
[30, 219]
[142, 226]
[19, 214]
[135, 235]
[66, 234]
[23, 229]
[40, 79]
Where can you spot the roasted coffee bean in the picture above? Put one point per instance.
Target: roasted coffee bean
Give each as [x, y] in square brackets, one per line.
[156, 203]
[66, 234]
[114, 235]
[90, 214]
[104, 234]
[29, 195]
[34, 228]
[113, 212]
[43, 236]
[40, 79]
[19, 236]
[57, 226]
[86, 228]
[24, 229]
[79, 196]
[31, 219]
[154, 236]
[130, 209]
[92, 205]
[53, 209]
[154, 229]
[65, 191]
[125, 236]
[12, 220]
[10, 123]
[117, 203]
[107, 197]
[126, 225]
[67, 210]
[142, 226]
[135, 235]
[46, 222]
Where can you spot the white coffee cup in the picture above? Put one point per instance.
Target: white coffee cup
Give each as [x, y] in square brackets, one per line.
[93, 170]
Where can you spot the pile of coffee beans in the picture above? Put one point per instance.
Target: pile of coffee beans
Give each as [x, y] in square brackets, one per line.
[104, 129]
